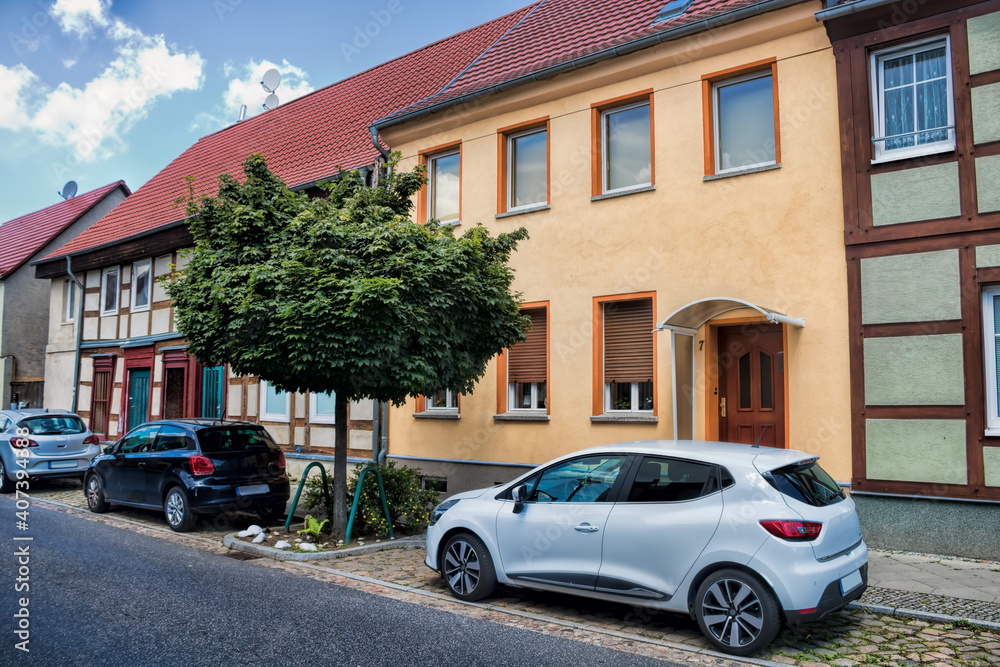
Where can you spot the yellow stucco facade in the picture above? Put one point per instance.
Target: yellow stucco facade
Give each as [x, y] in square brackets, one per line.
[773, 238]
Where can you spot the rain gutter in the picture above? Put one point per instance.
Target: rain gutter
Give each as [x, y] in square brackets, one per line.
[704, 25]
[850, 8]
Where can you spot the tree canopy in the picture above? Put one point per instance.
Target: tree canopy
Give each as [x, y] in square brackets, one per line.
[343, 293]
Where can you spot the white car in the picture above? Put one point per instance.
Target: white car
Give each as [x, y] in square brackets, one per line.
[739, 537]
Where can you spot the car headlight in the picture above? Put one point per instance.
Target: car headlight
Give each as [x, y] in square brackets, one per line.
[441, 509]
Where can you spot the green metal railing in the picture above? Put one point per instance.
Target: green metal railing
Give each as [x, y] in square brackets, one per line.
[302, 482]
[354, 505]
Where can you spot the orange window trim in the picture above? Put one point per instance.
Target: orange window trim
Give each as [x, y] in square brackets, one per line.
[598, 349]
[423, 158]
[597, 146]
[708, 82]
[502, 362]
[502, 135]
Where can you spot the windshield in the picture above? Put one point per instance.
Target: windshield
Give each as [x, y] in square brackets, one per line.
[53, 425]
[807, 483]
[234, 439]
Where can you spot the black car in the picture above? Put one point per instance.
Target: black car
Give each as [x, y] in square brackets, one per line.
[189, 467]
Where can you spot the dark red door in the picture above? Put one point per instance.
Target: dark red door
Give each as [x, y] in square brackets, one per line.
[752, 384]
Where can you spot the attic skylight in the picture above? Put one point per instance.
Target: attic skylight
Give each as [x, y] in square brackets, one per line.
[672, 9]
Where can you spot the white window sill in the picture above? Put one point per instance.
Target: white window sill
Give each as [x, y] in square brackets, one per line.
[144, 309]
[522, 416]
[522, 211]
[624, 192]
[992, 433]
[910, 153]
[623, 416]
[742, 172]
[437, 414]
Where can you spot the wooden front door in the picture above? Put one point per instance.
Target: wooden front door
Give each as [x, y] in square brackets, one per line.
[138, 397]
[752, 384]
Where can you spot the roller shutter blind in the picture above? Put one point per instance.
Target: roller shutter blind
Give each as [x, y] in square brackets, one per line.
[526, 361]
[628, 341]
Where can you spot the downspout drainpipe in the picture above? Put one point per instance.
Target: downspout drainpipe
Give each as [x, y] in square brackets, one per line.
[378, 144]
[79, 332]
[384, 440]
[376, 440]
[380, 421]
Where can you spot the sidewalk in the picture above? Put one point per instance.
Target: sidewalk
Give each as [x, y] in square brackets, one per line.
[918, 610]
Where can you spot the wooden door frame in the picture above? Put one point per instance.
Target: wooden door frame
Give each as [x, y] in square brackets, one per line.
[712, 374]
[136, 358]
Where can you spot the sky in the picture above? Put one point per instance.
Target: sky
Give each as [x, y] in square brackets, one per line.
[100, 90]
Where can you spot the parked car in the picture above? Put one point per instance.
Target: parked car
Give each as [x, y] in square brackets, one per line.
[739, 537]
[44, 444]
[189, 467]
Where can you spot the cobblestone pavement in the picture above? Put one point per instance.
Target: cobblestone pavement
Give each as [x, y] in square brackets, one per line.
[851, 637]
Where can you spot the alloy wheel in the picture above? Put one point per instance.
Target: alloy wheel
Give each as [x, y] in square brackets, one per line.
[461, 567]
[732, 612]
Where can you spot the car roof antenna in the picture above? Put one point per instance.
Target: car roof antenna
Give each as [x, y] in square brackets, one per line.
[757, 444]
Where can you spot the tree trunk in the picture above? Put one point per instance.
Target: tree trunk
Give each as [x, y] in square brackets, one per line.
[339, 519]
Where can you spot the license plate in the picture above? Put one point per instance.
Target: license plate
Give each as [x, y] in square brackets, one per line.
[252, 489]
[61, 465]
[850, 582]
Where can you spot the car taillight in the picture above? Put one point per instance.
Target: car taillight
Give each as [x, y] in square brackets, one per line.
[91, 440]
[202, 465]
[21, 443]
[793, 530]
[281, 460]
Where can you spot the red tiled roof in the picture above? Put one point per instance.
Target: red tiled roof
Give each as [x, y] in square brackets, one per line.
[560, 31]
[22, 237]
[303, 140]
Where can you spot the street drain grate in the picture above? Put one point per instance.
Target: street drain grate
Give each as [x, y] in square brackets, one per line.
[241, 555]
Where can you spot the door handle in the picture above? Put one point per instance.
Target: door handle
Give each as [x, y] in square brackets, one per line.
[586, 528]
[142, 465]
[722, 406]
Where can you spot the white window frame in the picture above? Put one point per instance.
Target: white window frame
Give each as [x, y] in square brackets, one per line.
[104, 289]
[273, 416]
[609, 399]
[878, 100]
[990, 335]
[136, 267]
[716, 106]
[451, 398]
[317, 417]
[432, 184]
[511, 138]
[69, 301]
[604, 146]
[512, 402]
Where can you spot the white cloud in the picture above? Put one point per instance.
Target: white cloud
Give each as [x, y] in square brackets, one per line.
[92, 120]
[15, 83]
[244, 88]
[81, 16]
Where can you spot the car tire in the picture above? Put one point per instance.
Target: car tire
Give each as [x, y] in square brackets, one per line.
[737, 612]
[177, 510]
[272, 514]
[467, 567]
[6, 484]
[93, 487]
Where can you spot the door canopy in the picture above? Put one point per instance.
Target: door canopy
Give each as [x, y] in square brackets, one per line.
[688, 319]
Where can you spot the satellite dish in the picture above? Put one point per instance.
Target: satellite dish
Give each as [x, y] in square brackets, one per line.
[271, 80]
[69, 190]
[271, 102]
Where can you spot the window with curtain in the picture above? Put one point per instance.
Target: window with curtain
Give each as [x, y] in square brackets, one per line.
[141, 284]
[109, 291]
[912, 93]
[628, 355]
[991, 349]
[527, 366]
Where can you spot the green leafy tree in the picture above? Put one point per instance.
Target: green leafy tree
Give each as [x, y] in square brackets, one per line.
[343, 293]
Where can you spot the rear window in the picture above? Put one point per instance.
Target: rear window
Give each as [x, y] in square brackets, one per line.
[234, 439]
[53, 425]
[807, 483]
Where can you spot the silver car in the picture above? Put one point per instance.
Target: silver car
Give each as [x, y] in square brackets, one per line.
[40, 443]
[739, 537]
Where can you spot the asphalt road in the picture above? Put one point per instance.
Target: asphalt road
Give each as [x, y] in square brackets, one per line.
[101, 595]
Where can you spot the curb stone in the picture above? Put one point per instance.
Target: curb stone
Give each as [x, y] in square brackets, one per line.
[231, 541]
[921, 615]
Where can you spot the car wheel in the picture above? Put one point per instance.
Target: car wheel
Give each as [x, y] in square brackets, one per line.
[177, 509]
[97, 502]
[6, 484]
[272, 514]
[737, 612]
[467, 567]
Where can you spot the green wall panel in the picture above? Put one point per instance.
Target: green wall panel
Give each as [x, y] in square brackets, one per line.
[988, 183]
[984, 43]
[991, 459]
[918, 287]
[987, 255]
[910, 195]
[986, 113]
[914, 370]
[916, 450]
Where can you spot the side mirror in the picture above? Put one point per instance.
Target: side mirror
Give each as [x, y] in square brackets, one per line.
[108, 449]
[520, 495]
